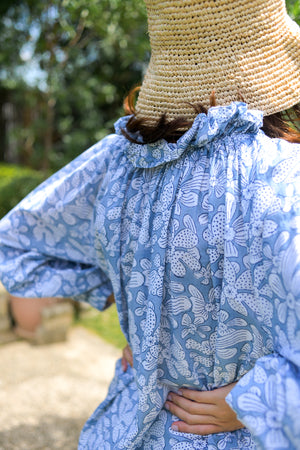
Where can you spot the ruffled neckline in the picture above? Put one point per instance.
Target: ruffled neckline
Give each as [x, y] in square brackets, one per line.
[220, 121]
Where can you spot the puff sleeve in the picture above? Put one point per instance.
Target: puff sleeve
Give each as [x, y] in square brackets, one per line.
[47, 241]
[267, 398]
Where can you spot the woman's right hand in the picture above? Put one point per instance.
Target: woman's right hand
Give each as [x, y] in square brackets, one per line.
[199, 412]
[203, 412]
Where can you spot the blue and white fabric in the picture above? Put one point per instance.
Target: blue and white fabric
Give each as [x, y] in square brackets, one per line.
[200, 243]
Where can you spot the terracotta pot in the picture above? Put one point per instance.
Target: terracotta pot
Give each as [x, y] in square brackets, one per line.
[27, 313]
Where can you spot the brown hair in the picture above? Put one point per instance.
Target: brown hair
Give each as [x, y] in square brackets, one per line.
[284, 125]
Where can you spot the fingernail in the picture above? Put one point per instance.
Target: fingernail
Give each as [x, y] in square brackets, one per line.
[180, 393]
[169, 397]
[167, 406]
[174, 427]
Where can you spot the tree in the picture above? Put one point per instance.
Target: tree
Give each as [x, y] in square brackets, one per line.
[293, 7]
[65, 68]
[84, 57]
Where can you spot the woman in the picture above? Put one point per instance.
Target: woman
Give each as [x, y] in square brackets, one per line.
[191, 219]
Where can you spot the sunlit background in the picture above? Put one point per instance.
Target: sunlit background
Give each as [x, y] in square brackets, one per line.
[65, 68]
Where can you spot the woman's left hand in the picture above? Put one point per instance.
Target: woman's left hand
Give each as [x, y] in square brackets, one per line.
[127, 358]
[203, 412]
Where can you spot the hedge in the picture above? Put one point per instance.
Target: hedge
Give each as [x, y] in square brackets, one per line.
[15, 183]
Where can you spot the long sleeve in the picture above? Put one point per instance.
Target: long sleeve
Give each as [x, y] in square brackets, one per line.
[267, 398]
[267, 401]
[47, 243]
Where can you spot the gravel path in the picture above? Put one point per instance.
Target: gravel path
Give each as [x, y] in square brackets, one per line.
[48, 392]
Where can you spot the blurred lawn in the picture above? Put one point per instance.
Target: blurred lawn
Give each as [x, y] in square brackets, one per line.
[105, 324]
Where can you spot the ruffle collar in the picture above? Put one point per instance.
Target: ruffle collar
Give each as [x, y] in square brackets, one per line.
[220, 121]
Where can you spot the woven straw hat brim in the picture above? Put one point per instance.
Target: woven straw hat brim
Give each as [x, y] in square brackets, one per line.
[240, 49]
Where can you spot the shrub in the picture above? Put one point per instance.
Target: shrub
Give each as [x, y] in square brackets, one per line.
[15, 183]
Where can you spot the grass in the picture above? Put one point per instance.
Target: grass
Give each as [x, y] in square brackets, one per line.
[105, 324]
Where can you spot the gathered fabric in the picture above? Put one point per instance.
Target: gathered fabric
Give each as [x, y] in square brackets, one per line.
[200, 243]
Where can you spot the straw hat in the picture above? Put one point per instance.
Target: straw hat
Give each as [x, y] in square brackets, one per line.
[234, 47]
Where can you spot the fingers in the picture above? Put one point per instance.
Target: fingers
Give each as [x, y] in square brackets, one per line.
[196, 429]
[127, 353]
[211, 397]
[124, 364]
[187, 417]
[190, 406]
[198, 396]
[199, 417]
[126, 358]
[110, 300]
[202, 423]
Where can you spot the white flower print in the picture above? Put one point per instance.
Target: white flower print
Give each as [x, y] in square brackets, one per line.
[184, 252]
[191, 327]
[288, 291]
[156, 277]
[214, 235]
[191, 185]
[218, 179]
[65, 204]
[47, 231]
[202, 308]
[204, 274]
[241, 292]
[234, 232]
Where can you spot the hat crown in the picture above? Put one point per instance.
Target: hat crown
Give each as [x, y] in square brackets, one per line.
[239, 48]
[171, 21]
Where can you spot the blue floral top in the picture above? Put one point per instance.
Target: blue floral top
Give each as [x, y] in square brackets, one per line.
[200, 243]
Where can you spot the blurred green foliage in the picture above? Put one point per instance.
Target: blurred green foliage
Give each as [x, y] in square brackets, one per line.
[293, 7]
[15, 183]
[78, 60]
[105, 324]
[67, 66]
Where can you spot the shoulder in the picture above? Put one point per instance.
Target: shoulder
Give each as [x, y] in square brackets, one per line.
[86, 173]
[108, 149]
[277, 156]
[277, 177]
[97, 160]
